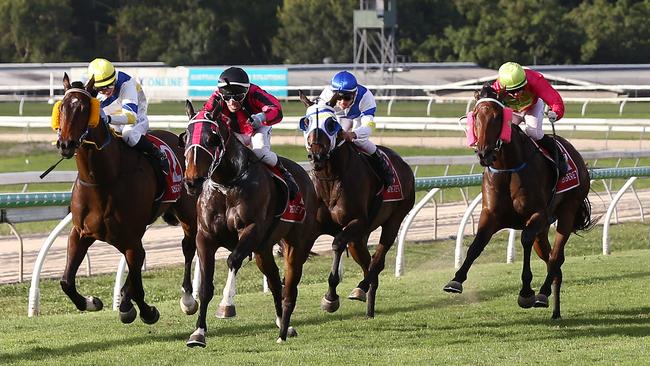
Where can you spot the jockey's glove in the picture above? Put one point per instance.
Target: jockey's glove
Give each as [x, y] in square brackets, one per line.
[552, 116]
[103, 117]
[256, 120]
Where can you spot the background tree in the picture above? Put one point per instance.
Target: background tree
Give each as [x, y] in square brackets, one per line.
[36, 31]
[613, 32]
[312, 30]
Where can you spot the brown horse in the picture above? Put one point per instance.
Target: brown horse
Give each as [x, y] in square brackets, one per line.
[238, 209]
[114, 199]
[518, 192]
[351, 207]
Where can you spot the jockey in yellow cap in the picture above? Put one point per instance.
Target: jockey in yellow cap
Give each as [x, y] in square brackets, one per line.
[124, 107]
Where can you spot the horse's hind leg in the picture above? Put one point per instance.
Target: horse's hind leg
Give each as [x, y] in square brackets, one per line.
[487, 226]
[77, 249]
[266, 263]
[388, 234]
[556, 259]
[135, 259]
[543, 249]
[294, 259]
[189, 305]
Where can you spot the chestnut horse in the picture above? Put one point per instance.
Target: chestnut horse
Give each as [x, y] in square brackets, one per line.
[114, 199]
[238, 208]
[351, 207]
[518, 192]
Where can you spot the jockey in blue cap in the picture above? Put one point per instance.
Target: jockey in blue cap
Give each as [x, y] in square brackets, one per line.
[355, 109]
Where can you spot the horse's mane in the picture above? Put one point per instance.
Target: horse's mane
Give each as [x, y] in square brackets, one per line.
[77, 84]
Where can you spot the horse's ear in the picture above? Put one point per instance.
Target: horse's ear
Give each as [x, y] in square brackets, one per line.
[181, 140]
[501, 94]
[304, 99]
[477, 95]
[332, 101]
[189, 109]
[66, 81]
[90, 85]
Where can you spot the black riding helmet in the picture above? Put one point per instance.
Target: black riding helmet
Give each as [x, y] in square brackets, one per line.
[233, 81]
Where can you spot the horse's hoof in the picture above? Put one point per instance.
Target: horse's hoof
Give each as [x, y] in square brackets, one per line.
[454, 287]
[154, 316]
[196, 339]
[189, 305]
[541, 301]
[280, 340]
[556, 316]
[226, 312]
[526, 302]
[129, 316]
[329, 306]
[291, 332]
[94, 304]
[357, 294]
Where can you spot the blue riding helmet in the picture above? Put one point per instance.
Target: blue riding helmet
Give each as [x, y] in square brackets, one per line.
[344, 82]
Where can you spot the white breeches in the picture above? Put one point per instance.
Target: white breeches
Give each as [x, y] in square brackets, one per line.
[533, 118]
[260, 143]
[131, 133]
[366, 146]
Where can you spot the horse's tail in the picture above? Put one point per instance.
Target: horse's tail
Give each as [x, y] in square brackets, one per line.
[583, 219]
[170, 218]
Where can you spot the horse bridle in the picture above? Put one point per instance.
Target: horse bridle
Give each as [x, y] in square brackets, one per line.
[216, 160]
[82, 139]
[499, 142]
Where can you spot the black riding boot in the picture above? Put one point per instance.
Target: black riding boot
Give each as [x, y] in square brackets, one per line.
[145, 146]
[549, 144]
[382, 169]
[291, 183]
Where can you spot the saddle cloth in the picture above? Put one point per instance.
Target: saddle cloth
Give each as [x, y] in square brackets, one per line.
[173, 186]
[294, 210]
[569, 180]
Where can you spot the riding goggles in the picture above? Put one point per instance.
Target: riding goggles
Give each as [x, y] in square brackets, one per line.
[236, 97]
[345, 96]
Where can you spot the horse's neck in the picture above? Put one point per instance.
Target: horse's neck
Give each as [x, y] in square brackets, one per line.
[234, 162]
[98, 166]
[514, 153]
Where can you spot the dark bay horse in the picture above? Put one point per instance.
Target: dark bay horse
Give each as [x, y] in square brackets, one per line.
[518, 187]
[351, 208]
[113, 200]
[238, 209]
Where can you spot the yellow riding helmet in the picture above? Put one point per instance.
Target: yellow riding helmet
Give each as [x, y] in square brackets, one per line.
[512, 76]
[103, 71]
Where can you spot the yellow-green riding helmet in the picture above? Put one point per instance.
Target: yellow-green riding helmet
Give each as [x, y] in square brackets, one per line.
[512, 76]
[103, 71]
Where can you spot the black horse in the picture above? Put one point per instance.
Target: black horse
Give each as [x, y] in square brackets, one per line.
[238, 209]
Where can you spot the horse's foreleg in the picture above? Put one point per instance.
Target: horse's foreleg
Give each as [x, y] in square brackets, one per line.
[77, 249]
[206, 254]
[294, 259]
[135, 259]
[536, 224]
[188, 304]
[486, 228]
[556, 259]
[359, 251]
[543, 249]
[352, 232]
[388, 234]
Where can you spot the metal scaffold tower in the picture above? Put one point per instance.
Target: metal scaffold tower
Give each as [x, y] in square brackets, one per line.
[374, 36]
